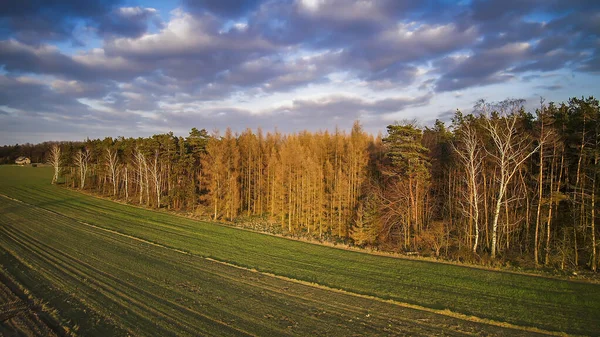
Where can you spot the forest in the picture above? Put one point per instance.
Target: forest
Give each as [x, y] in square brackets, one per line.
[498, 185]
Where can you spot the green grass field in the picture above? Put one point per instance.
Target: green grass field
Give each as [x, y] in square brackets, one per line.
[53, 241]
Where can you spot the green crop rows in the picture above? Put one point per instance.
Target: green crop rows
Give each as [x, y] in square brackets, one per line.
[111, 284]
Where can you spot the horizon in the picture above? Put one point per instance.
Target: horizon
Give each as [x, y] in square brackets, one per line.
[132, 68]
[237, 133]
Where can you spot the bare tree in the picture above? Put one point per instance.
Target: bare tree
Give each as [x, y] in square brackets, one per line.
[594, 174]
[126, 182]
[540, 184]
[54, 160]
[154, 170]
[470, 156]
[509, 150]
[112, 162]
[82, 159]
[594, 263]
[142, 167]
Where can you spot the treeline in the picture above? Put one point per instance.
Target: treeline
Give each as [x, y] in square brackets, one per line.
[37, 153]
[501, 183]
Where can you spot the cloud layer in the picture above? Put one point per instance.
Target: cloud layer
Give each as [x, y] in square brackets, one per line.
[73, 69]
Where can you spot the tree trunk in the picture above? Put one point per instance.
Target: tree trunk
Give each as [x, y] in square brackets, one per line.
[549, 220]
[593, 215]
[540, 198]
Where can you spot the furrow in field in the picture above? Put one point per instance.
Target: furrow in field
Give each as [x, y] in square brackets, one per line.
[111, 286]
[31, 320]
[71, 283]
[78, 227]
[449, 291]
[126, 278]
[281, 290]
[330, 309]
[315, 285]
[343, 307]
[58, 288]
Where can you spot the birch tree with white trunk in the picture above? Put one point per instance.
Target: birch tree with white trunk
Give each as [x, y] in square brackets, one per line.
[154, 169]
[112, 162]
[82, 160]
[54, 160]
[142, 168]
[469, 153]
[509, 150]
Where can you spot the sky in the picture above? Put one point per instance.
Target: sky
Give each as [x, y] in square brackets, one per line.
[72, 69]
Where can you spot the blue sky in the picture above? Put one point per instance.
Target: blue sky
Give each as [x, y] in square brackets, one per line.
[73, 69]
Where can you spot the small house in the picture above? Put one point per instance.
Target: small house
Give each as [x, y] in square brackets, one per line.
[23, 161]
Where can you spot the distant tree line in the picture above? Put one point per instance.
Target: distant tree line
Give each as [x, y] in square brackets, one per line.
[37, 153]
[500, 183]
